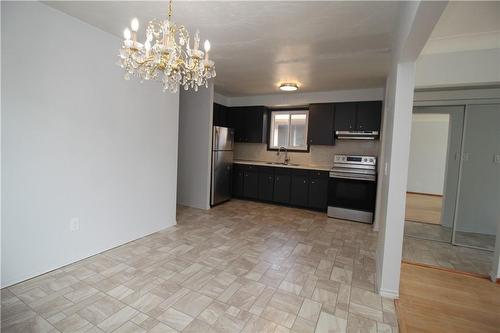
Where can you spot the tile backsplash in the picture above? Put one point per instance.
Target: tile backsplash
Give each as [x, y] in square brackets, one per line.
[317, 155]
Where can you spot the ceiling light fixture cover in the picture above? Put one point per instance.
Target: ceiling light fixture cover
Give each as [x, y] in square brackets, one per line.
[289, 87]
[166, 55]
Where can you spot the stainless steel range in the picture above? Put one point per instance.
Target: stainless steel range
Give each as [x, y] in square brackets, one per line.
[352, 188]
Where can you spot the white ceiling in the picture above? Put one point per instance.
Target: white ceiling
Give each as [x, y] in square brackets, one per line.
[256, 45]
[466, 25]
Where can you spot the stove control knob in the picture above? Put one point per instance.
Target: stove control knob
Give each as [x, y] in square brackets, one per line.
[364, 159]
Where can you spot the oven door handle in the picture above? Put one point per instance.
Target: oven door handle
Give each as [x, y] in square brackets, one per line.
[336, 175]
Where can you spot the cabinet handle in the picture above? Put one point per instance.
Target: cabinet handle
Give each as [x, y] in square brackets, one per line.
[277, 178]
[305, 181]
[312, 181]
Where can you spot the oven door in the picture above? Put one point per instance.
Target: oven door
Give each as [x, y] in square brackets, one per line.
[352, 199]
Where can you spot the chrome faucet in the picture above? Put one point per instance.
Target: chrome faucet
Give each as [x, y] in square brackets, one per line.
[286, 154]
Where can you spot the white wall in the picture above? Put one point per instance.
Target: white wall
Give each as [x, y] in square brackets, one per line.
[458, 68]
[195, 145]
[77, 141]
[428, 152]
[298, 98]
[416, 20]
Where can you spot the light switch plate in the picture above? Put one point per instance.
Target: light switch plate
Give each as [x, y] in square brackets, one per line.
[496, 159]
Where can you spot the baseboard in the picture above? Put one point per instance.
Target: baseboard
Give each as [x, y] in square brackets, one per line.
[429, 194]
[450, 270]
[392, 294]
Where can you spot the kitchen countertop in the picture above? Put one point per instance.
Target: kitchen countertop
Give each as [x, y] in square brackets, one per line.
[291, 165]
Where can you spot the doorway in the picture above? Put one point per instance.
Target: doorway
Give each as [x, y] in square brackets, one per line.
[433, 171]
[452, 211]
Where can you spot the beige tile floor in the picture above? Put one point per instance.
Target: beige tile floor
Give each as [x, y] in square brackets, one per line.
[240, 267]
[447, 255]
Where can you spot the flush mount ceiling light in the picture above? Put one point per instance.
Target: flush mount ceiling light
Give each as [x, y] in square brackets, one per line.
[166, 55]
[289, 87]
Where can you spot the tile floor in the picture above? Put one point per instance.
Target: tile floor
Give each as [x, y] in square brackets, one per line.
[446, 255]
[241, 267]
[443, 234]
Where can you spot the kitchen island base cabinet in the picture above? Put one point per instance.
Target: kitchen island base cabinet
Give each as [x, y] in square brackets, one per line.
[285, 186]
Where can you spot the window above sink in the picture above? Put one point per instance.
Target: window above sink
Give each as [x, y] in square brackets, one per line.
[289, 130]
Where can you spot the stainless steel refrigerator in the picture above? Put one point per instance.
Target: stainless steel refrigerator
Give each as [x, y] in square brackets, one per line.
[222, 164]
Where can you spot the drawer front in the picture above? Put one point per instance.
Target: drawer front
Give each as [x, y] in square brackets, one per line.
[318, 174]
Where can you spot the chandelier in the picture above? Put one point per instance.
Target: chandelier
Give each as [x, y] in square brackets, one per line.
[166, 55]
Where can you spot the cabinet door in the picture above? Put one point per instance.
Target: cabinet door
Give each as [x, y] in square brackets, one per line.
[237, 118]
[318, 191]
[299, 192]
[281, 189]
[238, 176]
[251, 185]
[345, 116]
[217, 115]
[255, 118]
[320, 131]
[368, 116]
[266, 186]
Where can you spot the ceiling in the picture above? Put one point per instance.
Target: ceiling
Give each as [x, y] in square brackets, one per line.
[257, 45]
[466, 25]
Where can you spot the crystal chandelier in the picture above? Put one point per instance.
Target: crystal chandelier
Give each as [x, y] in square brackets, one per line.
[166, 55]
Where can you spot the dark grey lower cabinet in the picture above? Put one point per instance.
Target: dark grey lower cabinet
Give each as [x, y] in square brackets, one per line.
[251, 185]
[318, 191]
[238, 184]
[299, 192]
[281, 189]
[266, 186]
[295, 187]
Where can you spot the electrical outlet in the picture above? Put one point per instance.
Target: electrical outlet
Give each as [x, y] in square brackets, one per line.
[74, 224]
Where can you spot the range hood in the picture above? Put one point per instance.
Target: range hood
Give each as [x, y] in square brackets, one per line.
[356, 135]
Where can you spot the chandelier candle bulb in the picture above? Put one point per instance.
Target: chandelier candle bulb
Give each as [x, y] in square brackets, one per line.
[207, 49]
[134, 24]
[126, 34]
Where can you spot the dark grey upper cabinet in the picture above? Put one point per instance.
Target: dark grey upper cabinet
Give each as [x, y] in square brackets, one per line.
[320, 130]
[249, 123]
[368, 116]
[358, 116]
[221, 116]
[345, 116]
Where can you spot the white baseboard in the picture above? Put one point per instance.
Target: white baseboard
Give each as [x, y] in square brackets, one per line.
[392, 294]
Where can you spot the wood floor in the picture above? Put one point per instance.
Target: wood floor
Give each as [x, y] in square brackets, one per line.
[423, 208]
[435, 300]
